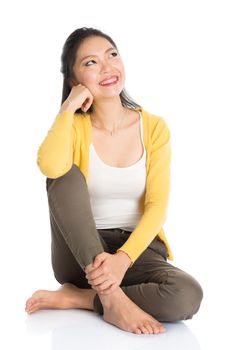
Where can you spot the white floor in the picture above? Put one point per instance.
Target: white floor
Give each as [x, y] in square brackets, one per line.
[72, 329]
[67, 329]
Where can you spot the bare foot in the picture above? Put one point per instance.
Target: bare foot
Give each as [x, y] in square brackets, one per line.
[125, 314]
[67, 297]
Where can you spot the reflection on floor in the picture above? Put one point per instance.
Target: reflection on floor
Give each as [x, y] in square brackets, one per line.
[72, 328]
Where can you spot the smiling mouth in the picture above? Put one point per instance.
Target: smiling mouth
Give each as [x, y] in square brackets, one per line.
[110, 81]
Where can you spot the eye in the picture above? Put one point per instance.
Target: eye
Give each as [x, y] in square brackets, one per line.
[86, 64]
[112, 53]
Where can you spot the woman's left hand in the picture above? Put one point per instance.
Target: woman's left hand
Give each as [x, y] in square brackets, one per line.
[107, 272]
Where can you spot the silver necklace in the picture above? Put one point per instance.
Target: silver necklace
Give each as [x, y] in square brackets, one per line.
[112, 131]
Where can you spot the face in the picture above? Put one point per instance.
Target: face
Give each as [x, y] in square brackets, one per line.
[102, 62]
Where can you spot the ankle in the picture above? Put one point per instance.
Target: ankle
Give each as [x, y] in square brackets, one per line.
[110, 299]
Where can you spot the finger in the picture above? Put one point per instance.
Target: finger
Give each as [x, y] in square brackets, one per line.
[97, 263]
[97, 272]
[86, 104]
[90, 270]
[103, 285]
[94, 275]
[90, 267]
[86, 108]
[100, 280]
[99, 259]
[110, 290]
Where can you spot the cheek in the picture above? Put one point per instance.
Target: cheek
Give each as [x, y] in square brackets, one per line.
[87, 77]
[90, 79]
[120, 68]
[91, 76]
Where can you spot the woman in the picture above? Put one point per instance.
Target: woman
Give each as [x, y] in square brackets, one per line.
[107, 162]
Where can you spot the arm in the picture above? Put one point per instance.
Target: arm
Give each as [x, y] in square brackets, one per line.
[124, 259]
[156, 195]
[55, 155]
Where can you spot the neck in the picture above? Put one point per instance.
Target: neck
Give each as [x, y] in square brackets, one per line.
[108, 114]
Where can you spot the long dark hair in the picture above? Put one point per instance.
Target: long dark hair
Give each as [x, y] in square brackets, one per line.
[68, 58]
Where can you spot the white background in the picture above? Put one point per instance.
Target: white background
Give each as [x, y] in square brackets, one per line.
[178, 58]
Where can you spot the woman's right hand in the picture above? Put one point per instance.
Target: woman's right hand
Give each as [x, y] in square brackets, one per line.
[79, 97]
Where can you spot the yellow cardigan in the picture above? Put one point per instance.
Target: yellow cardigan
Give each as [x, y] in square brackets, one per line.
[68, 141]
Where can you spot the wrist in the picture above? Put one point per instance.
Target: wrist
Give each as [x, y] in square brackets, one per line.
[67, 107]
[124, 258]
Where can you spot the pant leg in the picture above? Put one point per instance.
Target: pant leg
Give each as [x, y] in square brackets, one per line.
[75, 241]
[164, 291]
[64, 265]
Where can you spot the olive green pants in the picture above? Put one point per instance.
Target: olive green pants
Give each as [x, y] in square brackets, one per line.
[157, 287]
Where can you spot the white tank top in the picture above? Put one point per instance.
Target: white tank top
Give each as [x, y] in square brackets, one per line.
[116, 194]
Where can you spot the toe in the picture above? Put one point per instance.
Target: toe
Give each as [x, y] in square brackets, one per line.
[28, 306]
[148, 326]
[144, 329]
[33, 307]
[137, 331]
[31, 303]
[155, 327]
[30, 311]
[28, 301]
[156, 330]
[36, 306]
[161, 327]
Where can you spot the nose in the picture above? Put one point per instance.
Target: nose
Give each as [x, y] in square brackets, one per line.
[106, 67]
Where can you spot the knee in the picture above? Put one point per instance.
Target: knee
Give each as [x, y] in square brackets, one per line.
[188, 295]
[72, 176]
[76, 170]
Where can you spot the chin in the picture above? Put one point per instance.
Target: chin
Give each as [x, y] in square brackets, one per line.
[107, 94]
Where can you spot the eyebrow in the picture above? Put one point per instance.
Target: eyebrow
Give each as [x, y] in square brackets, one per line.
[110, 48]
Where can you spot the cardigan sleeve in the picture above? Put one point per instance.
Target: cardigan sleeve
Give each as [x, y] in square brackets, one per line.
[156, 194]
[55, 154]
